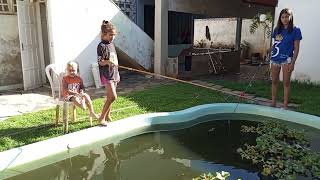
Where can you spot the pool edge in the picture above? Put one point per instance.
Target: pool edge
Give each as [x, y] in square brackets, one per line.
[17, 157]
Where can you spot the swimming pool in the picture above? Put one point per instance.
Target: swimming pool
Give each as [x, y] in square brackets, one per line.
[37, 155]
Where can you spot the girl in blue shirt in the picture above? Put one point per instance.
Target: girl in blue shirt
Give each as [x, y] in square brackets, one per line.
[285, 51]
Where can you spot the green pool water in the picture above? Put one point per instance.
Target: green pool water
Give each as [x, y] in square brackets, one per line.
[179, 154]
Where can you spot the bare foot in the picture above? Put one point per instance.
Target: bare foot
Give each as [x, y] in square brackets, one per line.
[103, 123]
[94, 115]
[109, 119]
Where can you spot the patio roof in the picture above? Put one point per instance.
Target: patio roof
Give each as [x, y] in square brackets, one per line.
[272, 3]
[223, 8]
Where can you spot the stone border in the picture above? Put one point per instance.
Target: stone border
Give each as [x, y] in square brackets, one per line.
[33, 156]
[251, 97]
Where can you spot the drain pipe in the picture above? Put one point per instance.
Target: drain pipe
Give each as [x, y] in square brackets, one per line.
[238, 33]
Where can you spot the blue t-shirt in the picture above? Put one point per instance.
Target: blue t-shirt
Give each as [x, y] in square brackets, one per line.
[284, 43]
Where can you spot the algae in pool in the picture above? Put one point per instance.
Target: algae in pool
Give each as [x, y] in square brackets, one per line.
[181, 154]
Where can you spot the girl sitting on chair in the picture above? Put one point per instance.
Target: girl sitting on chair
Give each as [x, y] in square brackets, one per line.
[73, 89]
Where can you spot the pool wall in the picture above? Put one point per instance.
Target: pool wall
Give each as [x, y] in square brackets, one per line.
[36, 155]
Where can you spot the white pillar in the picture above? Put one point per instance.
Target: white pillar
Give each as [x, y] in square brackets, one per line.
[160, 36]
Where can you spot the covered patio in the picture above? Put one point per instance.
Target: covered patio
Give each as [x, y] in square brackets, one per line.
[202, 9]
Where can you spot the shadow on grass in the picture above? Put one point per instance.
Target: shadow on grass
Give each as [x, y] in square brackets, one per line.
[168, 98]
[305, 94]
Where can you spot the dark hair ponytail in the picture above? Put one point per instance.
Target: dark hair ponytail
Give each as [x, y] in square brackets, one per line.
[107, 27]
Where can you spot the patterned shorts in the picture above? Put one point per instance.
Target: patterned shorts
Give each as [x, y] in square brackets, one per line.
[276, 63]
[105, 81]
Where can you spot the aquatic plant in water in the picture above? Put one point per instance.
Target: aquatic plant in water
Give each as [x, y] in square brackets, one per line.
[218, 176]
[280, 152]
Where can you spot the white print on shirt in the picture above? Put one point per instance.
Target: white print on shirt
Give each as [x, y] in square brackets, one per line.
[113, 58]
[74, 87]
[276, 43]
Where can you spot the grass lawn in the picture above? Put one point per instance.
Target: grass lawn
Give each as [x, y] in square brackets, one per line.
[29, 128]
[307, 95]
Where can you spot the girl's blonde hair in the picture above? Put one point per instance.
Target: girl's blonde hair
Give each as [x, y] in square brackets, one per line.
[107, 27]
[72, 64]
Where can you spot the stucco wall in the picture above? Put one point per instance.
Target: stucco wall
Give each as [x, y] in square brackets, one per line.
[76, 35]
[258, 41]
[307, 65]
[223, 31]
[10, 60]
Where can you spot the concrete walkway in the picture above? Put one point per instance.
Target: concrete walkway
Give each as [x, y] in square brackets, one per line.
[16, 103]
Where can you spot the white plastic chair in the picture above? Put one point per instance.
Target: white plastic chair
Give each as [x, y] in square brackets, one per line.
[55, 75]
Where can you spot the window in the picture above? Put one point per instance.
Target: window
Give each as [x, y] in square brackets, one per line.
[128, 7]
[8, 6]
[15, 9]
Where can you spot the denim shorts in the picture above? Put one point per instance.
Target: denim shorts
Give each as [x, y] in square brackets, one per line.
[277, 63]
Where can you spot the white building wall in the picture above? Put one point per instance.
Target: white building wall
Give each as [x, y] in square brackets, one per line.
[305, 16]
[75, 33]
[222, 30]
[259, 41]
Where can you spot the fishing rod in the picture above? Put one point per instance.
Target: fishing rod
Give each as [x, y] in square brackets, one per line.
[242, 95]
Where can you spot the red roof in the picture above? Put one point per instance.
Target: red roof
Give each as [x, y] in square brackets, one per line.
[272, 3]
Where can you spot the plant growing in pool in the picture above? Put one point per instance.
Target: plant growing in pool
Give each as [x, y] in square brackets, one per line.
[218, 176]
[201, 44]
[280, 152]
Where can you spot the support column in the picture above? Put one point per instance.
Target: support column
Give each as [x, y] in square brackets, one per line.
[160, 36]
[238, 33]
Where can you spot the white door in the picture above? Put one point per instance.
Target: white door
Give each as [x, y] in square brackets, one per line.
[29, 45]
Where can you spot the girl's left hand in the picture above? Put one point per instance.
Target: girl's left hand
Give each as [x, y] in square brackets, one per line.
[291, 67]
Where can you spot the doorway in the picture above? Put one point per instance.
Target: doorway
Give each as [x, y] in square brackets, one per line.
[45, 37]
[34, 42]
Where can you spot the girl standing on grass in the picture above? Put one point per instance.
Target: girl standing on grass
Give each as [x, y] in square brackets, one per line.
[284, 53]
[108, 67]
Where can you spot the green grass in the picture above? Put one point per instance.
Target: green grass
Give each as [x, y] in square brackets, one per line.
[33, 127]
[307, 95]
